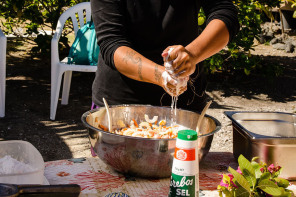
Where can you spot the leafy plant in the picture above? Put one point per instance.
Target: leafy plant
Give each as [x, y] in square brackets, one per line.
[253, 179]
[34, 19]
[237, 55]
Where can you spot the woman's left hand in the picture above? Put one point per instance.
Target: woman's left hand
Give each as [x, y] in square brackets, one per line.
[182, 61]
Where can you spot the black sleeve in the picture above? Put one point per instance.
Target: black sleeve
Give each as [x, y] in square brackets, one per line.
[223, 10]
[109, 21]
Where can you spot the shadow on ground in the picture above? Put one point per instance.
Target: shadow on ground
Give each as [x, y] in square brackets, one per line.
[278, 89]
[28, 104]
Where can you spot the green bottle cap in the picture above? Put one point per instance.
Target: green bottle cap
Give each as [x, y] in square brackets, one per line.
[189, 135]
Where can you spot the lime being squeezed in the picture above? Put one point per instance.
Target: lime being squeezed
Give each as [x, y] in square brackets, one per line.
[169, 76]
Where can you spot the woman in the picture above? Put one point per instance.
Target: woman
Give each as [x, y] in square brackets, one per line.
[134, 38]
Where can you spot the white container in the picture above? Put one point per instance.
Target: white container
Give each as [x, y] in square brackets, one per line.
[26, 153]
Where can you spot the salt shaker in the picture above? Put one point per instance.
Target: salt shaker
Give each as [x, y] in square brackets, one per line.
[185, 170]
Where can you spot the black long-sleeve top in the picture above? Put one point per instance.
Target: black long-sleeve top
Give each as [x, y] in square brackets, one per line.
[149, 26]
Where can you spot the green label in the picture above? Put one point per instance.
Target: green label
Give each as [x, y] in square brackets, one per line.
[182, 185]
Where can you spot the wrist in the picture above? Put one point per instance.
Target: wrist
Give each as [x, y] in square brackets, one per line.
[158, 72]
[194, 52]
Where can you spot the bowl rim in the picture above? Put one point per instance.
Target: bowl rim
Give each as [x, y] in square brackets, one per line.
[85, 114]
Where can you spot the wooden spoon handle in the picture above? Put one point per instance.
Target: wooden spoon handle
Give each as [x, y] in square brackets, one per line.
[202, 116]
[108, 114]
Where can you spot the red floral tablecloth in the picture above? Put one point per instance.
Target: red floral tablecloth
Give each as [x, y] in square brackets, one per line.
[97, 179]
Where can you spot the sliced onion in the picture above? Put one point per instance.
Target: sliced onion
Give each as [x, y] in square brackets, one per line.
[153, 120]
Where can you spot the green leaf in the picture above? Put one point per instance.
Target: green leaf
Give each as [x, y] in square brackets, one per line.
[247, 170]
[247, 71]
[265, 176]
[241, 192]
[269, 187]
[226, 178]
[254, 159]
[240, 179]
[225, 191]
[201, 20]
[285, 193]
[282, 182]
[257, 195]
[257, 168]
[220, 193]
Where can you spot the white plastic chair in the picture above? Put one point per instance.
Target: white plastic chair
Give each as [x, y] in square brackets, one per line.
[3, 44]
[58, 68]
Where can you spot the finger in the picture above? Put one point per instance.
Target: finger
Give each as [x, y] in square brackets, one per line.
[183, 89]
[184, 70]
[181, 74]
[165, 53]
[171, 92]
[179, 68]
[181, 61]
[172, 82]
[178, 65]
[166, 50]
[173, 52]
[177, 90]
[171, 86]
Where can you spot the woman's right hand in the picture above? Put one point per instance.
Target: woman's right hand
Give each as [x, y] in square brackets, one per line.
[172, 86]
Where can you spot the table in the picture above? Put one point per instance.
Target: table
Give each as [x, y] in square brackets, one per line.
[97, 179]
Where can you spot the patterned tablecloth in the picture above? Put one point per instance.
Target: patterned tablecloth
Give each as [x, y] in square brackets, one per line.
[97, 179]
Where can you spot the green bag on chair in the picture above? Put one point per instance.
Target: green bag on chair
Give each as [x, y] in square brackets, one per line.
[85, 50]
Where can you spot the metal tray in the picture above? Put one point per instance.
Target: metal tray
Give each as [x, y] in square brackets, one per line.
[269, 135]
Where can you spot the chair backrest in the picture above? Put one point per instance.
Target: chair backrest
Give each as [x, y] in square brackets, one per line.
[2, 41]
[78, 9]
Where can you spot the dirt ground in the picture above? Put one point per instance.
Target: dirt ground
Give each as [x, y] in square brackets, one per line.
[28, 101]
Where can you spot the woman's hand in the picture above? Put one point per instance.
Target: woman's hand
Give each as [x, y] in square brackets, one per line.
[183, 62]
[172, 86]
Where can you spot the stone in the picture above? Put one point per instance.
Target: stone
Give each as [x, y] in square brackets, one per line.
[269, 35]
[279, 46]
[289, 48]
[274, 41]
[261, 39]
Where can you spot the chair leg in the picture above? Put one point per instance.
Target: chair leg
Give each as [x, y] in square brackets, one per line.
[55, 90]
[66, 87]
[2, 97]
[3, 45]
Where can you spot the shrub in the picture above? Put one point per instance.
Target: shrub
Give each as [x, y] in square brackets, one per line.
[237, 55]
[35, 16]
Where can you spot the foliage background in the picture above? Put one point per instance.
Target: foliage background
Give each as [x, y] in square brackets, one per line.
[237, 56]
[34, 19]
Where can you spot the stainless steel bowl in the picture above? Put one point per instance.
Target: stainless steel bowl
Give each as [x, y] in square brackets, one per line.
[143, 157]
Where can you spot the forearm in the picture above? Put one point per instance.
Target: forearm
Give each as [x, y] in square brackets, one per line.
[214, 38]
[135, 66]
